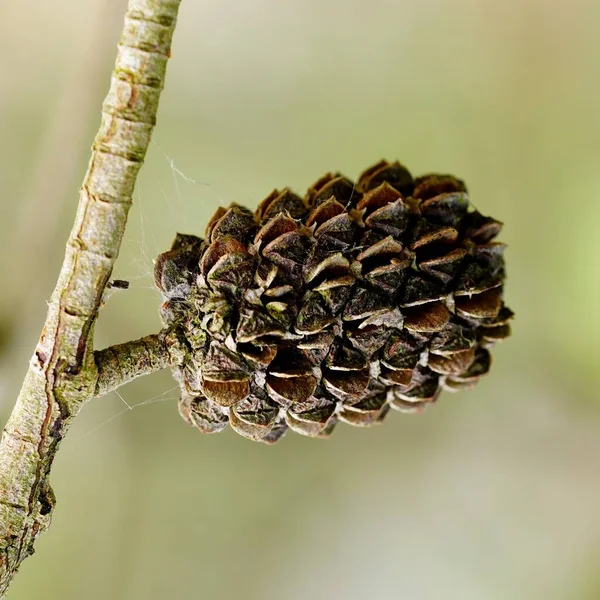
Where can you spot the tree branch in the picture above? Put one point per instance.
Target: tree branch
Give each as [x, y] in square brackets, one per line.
[63, 373]
[123, 363]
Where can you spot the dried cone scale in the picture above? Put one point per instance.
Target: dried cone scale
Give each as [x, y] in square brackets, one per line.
[336, 307]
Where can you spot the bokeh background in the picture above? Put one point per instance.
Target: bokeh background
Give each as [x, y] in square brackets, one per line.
[490, 495]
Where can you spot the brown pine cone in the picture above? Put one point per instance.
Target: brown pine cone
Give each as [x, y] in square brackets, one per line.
[359, 298]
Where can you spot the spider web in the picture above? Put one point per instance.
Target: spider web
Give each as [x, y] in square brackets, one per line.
[148, 234]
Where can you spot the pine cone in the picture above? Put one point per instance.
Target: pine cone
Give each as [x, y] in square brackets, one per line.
[359, 298]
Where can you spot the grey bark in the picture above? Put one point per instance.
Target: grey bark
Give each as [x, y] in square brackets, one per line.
[64, 371]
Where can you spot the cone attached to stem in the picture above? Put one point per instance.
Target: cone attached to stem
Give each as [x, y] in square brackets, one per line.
[357, 298]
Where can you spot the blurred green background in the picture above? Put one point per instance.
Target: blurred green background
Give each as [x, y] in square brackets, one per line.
[492, 494]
